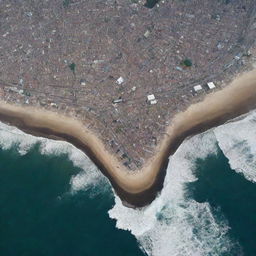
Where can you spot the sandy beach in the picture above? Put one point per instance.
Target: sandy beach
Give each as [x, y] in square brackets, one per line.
[140, 187]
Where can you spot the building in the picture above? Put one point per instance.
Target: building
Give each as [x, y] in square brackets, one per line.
[117, 101]
[120, 80]
[152, 102]
[211, 85]
[197, 88]
[151, 99]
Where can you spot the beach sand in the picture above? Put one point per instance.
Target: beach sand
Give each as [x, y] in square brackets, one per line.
[138, 188]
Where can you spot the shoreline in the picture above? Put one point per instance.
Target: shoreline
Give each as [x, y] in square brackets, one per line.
[139, 188]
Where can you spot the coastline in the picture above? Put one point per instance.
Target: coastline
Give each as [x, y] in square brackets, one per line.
[140, 187]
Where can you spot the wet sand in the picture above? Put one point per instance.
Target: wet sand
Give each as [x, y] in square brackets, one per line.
[140, 187]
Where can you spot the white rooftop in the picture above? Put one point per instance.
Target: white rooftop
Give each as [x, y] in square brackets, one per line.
[152, 102]
[120, 80]
[151, 97]
[198, 87]
[211, 85]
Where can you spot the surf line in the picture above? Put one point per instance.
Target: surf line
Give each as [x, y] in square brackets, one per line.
[139, 188]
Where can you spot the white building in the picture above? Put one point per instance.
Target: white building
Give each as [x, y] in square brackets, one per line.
[152, 99]
[197, 88]
[211, 85]
[120, 80]
[152, 102]
[117, 101]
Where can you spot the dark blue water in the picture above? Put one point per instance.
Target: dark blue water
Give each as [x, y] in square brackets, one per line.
[39, 216]
[231, 196]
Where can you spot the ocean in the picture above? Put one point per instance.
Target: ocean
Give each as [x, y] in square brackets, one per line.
[54, 201]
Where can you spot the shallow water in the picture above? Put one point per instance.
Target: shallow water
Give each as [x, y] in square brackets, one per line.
[53, 200]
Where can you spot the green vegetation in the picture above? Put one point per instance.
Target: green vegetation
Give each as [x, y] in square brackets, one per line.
[186, 63]
[151, 3]
[72, 66]
[66, 3]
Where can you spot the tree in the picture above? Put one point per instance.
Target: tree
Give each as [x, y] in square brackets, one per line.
[186, 63]
[72, 66]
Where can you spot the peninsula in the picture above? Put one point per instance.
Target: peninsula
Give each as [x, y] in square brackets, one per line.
[126, 83]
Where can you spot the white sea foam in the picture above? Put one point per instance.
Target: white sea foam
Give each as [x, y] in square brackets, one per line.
[175, 224]
[89, 175]
[237, 141]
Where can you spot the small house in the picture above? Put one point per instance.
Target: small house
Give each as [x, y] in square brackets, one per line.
[197, 88]
[117, 101]
[211, 85]
[151, 99]
[120, 80]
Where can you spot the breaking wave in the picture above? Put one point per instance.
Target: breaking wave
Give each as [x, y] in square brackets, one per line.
[89, 176]
[237, 141]
[174, 224]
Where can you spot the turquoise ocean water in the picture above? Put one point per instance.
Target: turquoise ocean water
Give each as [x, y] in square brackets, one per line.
[53, 201]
